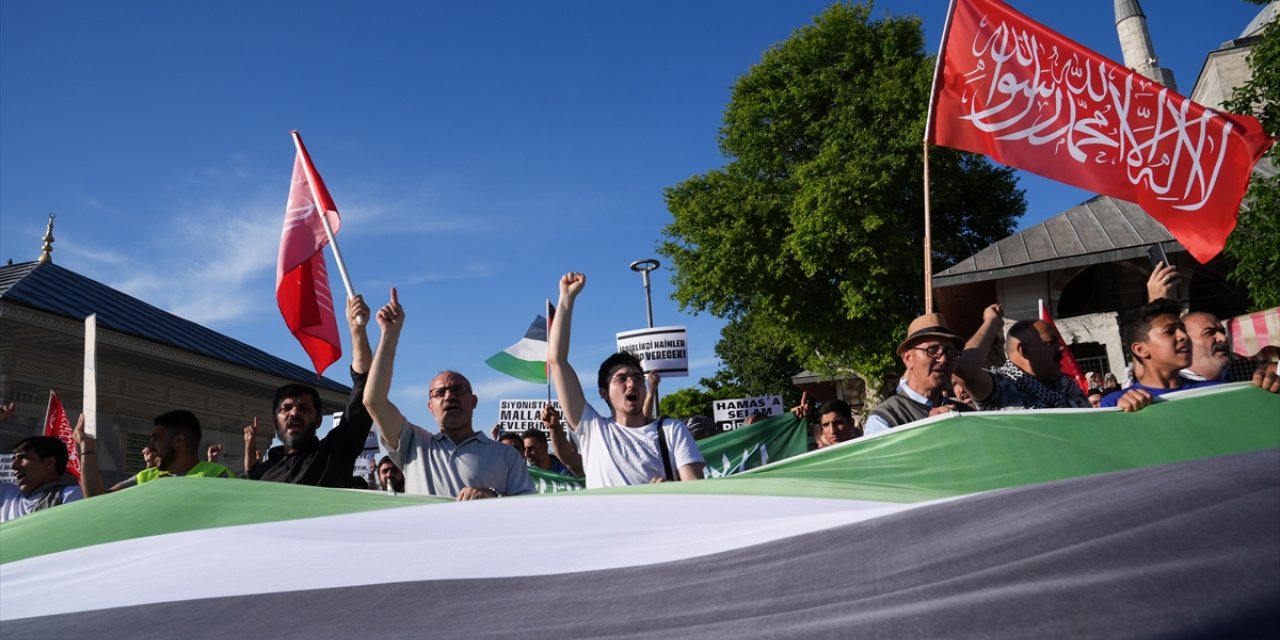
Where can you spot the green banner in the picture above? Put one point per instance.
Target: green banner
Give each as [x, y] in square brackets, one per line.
[755, 445]
[551, 482]
[728, 453]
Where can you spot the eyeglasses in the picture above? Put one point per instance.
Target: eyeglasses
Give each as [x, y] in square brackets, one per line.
[936, 350]
[622, 378]
[456, 389]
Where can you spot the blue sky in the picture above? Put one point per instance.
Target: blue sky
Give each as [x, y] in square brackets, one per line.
[476, 151]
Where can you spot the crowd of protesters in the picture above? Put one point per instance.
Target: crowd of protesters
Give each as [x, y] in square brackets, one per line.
[1169, 350]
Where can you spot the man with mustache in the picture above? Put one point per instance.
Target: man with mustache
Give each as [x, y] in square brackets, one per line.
[1030, 378]
[458, 461]
[930, 353]
[1210, 354]
[304, 458]
[1155, 335]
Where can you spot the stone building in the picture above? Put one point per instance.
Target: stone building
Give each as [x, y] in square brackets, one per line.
[149, 361]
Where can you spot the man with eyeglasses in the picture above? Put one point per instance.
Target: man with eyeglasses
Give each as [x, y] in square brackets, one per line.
[1030, 378]
[303, 457]
[458, 461]
[626, 447]
[929, 352]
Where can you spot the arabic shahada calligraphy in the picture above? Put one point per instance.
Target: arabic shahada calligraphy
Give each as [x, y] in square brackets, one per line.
[1015, 90]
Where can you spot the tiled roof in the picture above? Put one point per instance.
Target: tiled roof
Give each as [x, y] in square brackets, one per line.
[50, 288]
[1101, 229]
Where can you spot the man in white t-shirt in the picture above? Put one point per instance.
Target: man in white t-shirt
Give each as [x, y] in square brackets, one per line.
[625, 447]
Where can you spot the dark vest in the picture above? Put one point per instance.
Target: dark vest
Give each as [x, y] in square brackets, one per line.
[898, 410]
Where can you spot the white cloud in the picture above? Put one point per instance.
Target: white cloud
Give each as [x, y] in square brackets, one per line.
[469, 271]
[213, 256]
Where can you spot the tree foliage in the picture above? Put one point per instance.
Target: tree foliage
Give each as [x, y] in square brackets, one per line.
[687, 402]
[753, 366]
[1255, 243]
[810, 238]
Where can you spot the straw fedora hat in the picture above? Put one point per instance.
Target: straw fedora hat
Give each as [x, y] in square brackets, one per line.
[929, 325]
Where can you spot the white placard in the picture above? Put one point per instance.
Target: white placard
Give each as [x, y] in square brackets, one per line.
[91, 375]
[518, 415]
[730, 414]
[661, 349]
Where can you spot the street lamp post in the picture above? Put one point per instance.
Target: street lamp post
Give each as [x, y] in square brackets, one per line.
[644, 267]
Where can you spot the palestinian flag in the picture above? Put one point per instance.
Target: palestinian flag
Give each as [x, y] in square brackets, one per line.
[527, 359]
[1057, 523]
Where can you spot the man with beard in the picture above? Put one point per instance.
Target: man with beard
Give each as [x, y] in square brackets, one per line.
[303, 458]
[38, 464]
[537, 455]
[930, 353]
[390, 478]
[458, 461]
[1030, 378]
[626, 447]
[176, 443]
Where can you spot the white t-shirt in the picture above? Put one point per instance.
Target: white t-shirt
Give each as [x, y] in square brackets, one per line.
[614, 455]
[16, 505]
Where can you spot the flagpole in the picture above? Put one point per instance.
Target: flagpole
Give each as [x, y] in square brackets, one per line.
[47, 407]
[928, 134]
[928, 237]
[324, 220]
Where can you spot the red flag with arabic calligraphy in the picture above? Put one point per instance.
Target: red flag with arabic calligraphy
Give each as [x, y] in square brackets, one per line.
[57, 425]
[302, 279]
[1012, 89]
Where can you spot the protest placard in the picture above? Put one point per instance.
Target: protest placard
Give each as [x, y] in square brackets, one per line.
[730, 414]
[661, 349]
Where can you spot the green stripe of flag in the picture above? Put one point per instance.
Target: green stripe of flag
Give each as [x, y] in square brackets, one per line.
[968, 453]
[535, 372]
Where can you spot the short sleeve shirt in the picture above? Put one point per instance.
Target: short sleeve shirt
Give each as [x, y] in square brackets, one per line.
[434, 465]
[614, 455]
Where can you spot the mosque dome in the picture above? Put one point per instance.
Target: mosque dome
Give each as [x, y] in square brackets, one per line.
[1267, 14]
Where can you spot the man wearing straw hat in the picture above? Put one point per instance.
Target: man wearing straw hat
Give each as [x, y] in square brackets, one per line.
[930, 353]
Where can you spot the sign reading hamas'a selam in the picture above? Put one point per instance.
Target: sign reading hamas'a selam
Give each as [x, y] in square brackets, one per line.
[731, 414]
[661, 349]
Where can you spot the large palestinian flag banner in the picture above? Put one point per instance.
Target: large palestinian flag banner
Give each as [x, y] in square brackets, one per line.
[1071, 523]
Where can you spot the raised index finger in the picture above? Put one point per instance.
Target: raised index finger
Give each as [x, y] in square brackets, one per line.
[395, 299]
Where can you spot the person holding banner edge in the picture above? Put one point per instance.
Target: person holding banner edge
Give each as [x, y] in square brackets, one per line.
[458, 461]
[626, 447]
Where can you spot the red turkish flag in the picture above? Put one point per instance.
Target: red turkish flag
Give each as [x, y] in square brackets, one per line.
[57, 425]
[302, 280]
[1012, 89]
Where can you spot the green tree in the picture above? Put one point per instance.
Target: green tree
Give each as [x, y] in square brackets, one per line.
[1256, 238]
[811, 234]
[752, 366]
[686, 402]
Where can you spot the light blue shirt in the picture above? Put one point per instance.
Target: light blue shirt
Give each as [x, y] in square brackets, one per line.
[876, 424]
